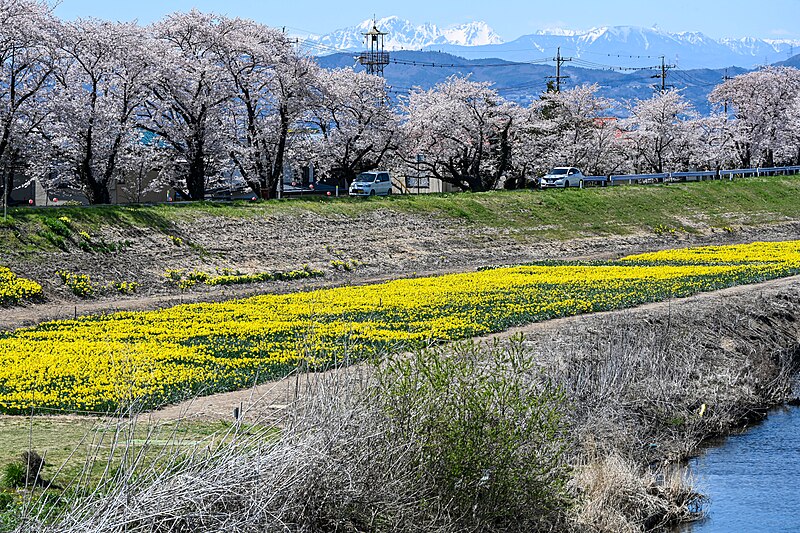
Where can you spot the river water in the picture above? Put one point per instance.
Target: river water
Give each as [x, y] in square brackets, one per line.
[753, 479]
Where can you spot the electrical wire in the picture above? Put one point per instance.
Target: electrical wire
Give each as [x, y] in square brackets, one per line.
[432, 64]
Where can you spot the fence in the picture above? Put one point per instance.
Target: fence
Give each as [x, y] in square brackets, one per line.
[675, 177]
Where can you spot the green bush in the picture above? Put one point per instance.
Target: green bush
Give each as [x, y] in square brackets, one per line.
[59, 226]
[56, 240]
[12, 475]
[186, 280]
[6, 500]
[90, 245]
[347, 265]
[492, 432]
[123, 287]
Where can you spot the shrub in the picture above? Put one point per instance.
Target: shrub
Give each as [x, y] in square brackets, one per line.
[6, 500]
[90, 245]
[492, 431]
[226, 276]
[56, 240]
[14, 289]
[238, 279]
[173, 274]
[13, 475]
[198, 276]
[346, 265]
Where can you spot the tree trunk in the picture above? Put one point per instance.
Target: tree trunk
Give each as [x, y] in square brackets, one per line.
[97, 192]
[276, 174]
[196, 177]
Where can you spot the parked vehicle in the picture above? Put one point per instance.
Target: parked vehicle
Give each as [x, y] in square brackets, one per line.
[562, 177]
[373, 183]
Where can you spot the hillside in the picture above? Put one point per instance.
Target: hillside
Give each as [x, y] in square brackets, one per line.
[524, 83]
[354, 241]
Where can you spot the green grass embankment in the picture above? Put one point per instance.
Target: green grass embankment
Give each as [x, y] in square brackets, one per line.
[550, 214]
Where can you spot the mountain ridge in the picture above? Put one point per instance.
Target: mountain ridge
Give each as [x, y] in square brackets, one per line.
[688, 49]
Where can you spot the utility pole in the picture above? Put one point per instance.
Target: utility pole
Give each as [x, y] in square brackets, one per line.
[560, 60]
[663, 75]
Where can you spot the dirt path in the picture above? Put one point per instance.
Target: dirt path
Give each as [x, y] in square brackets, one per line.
[268, 401]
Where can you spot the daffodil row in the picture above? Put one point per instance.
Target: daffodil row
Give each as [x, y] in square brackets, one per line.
[14, 289]
[107, 362]
[787, 253]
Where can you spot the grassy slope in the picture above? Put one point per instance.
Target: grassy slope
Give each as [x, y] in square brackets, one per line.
[559, 214]
[67, 444]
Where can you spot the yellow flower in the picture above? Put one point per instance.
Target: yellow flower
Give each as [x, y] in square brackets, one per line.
[105, 362]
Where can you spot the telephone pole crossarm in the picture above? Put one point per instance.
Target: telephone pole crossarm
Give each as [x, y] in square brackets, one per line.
[560, 60]
[663, 76]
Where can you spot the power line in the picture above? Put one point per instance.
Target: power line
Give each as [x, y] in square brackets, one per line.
[600, 66]
[621, 56]
[433, 64]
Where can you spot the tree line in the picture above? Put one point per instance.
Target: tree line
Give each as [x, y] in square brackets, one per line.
[199, 96]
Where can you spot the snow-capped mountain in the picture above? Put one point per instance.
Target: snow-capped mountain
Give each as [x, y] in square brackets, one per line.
[605, 46]
[403, 34]
[632, 46]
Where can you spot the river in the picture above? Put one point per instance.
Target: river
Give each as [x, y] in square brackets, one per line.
[752, 479]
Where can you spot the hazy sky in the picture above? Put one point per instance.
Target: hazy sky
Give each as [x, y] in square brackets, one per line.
[510, 19]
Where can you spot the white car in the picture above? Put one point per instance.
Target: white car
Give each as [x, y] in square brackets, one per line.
[562, 177]
[373, 183]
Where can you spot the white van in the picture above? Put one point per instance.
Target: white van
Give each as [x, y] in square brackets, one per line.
[372, 183]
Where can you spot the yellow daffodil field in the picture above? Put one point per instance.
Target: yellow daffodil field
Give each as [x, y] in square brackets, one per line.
[150, 358]
[14, 289]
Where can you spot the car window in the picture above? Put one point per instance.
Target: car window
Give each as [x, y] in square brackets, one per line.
[383, 177]
[558, 171]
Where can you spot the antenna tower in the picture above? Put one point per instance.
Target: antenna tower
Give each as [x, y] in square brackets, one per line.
[374, 57]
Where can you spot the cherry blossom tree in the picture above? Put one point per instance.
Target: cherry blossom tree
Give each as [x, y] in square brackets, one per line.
[659, 131]
[185, 104]
[762, 103]
[101, 80]
[26, 65]
[530, 140]
[358, 129]
[709, 146]
[272, 86]
[583, 133]
[464, 129]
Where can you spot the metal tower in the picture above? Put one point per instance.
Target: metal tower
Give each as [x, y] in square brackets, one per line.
[374, 58]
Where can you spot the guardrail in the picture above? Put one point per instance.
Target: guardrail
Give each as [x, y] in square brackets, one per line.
[630, 179]
[674, 177]
[595, 181]
[692, 176]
